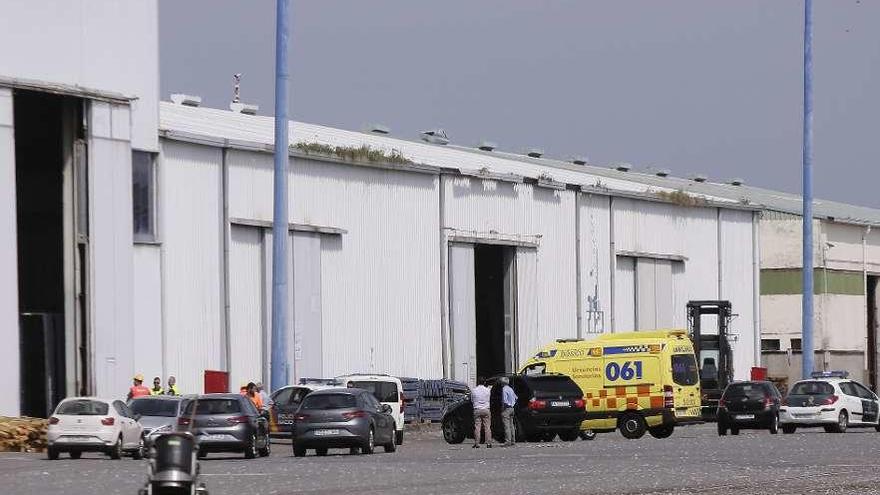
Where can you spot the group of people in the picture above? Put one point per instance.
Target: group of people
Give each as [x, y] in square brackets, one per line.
[257, 394]
[138, 389]
[481, 397]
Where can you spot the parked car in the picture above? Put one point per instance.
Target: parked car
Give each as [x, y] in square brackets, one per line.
[749, 405]
[89, 424]
[286, 401]
[387, 390]
[226, 423]
[547, 405]
[158, 414]
[342, 418]
[829, 400]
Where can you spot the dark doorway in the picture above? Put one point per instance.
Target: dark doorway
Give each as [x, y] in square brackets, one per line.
[872, 332]
[39, 162]
[494, 290]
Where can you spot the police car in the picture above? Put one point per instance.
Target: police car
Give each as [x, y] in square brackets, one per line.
[830, 400]
[286, 401]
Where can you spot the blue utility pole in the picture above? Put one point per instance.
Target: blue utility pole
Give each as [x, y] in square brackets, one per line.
[280, 370]
[807, 291]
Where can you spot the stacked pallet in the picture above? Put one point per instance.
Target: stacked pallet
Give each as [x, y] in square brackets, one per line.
[411, 400]
[22, 434]
[435, 396]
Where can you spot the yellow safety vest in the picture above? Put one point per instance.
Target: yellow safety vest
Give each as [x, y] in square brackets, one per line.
[158, 391]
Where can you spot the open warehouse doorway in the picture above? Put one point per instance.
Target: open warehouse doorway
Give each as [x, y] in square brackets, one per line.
[482, 306]
[52, 239]
[873, 324]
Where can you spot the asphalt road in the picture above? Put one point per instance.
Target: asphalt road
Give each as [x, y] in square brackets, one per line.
[693, 461]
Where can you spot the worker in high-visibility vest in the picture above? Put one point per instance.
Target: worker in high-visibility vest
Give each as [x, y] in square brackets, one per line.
[157, 387]
[172, 386]
[138, 389]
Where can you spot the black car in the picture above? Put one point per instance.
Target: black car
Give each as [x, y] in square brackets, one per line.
[749, 405]
[547, 405]
[226, 423]
[349, 418]
[285, 403]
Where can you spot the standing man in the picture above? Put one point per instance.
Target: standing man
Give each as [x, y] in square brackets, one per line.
[172, 386]
[480, 396]
[157, 387]
[508, 401]
[264, 396]
[138, 389]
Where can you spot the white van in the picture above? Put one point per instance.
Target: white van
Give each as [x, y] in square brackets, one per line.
[386, 389]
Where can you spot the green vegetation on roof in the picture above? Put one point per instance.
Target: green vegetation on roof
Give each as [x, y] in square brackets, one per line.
[680, 198]
[350, 153]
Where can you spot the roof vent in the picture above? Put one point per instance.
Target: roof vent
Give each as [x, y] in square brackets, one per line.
[379, 129]
[535, 152]
[579, 160]
[737, 182]
[664, 172]
[622, 167]
[435, 136]
[245, 108]
[487, 146]
[186, 100]
[699, 178]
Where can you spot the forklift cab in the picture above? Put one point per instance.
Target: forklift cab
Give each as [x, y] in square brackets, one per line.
[713, 351]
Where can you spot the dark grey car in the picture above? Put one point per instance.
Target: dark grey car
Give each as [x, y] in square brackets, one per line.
[158, 414]
[342, 418]
[226, 423]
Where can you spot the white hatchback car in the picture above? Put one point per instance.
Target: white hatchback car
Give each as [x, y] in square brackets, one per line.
[831, 401]
[387, 390]
[88, 424]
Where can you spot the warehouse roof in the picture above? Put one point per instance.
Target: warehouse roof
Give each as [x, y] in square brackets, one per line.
[250, 131]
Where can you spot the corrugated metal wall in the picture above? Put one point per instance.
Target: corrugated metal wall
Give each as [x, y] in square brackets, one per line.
[246, 308]
[595, 264]
[462, 312]
[737, 285]
[147, 310]
[192, 245]
[9, 354]
[306, 291]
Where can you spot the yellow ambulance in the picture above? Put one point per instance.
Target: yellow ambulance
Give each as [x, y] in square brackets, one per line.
[634, 382]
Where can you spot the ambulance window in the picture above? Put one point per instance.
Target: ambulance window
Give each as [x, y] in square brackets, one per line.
[535, 369]
[684, 369]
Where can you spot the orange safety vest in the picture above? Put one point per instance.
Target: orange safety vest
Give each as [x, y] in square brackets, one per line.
[138, 391]
[257, 400]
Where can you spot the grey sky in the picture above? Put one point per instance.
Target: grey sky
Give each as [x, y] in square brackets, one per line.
[690, 85]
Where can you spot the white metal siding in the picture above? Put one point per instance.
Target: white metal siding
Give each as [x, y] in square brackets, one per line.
[738, 287]
[595, 263]
[646, 303]
[306, 291]
[246, 324]
[191, 234]
[9, 358]
[462, 312]
[527, 303]
[147, 306]
[625, 295]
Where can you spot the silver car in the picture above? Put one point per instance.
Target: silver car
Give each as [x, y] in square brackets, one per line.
[226, 423]
[349, 418]
[158, 414]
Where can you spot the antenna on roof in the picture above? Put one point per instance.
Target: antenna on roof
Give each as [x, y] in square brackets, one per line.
[236, 87]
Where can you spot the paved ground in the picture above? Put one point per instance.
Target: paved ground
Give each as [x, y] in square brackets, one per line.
[693, 461]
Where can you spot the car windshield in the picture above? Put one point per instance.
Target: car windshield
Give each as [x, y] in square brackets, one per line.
[382, 391]
[154, 407]
[812, 388]
[684, 369]
[750, 390]
[329, 401]
[207, 407]
[83, 408]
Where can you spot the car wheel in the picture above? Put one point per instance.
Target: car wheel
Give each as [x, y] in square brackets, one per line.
[588, 435]
[201, 455]
[76, 455]
[250, 449]
[322, 451]
[354, 451]
[299, 451]
[391, 446]
[789, 429]
[139, 453]
[52, 453]
[267, 450]
[548, 436]
[116, 450]
[774, 424]
[632, 426]
[398, 437]
[722, 429]
[569, 435]
[877, 427]
[661, 431]
[842, 423]
[451, 432]
[370, 446]
[734, 430]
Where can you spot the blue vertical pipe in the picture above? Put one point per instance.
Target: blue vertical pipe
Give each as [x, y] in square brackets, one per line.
[279, 367]
[807, 293]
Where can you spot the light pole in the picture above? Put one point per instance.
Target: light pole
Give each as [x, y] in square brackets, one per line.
[807, 349]
[279, 368]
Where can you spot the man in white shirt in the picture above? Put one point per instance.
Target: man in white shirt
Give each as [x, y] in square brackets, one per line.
[480, 396]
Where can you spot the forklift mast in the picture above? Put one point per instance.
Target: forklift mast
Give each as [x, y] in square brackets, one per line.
[714, 376]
